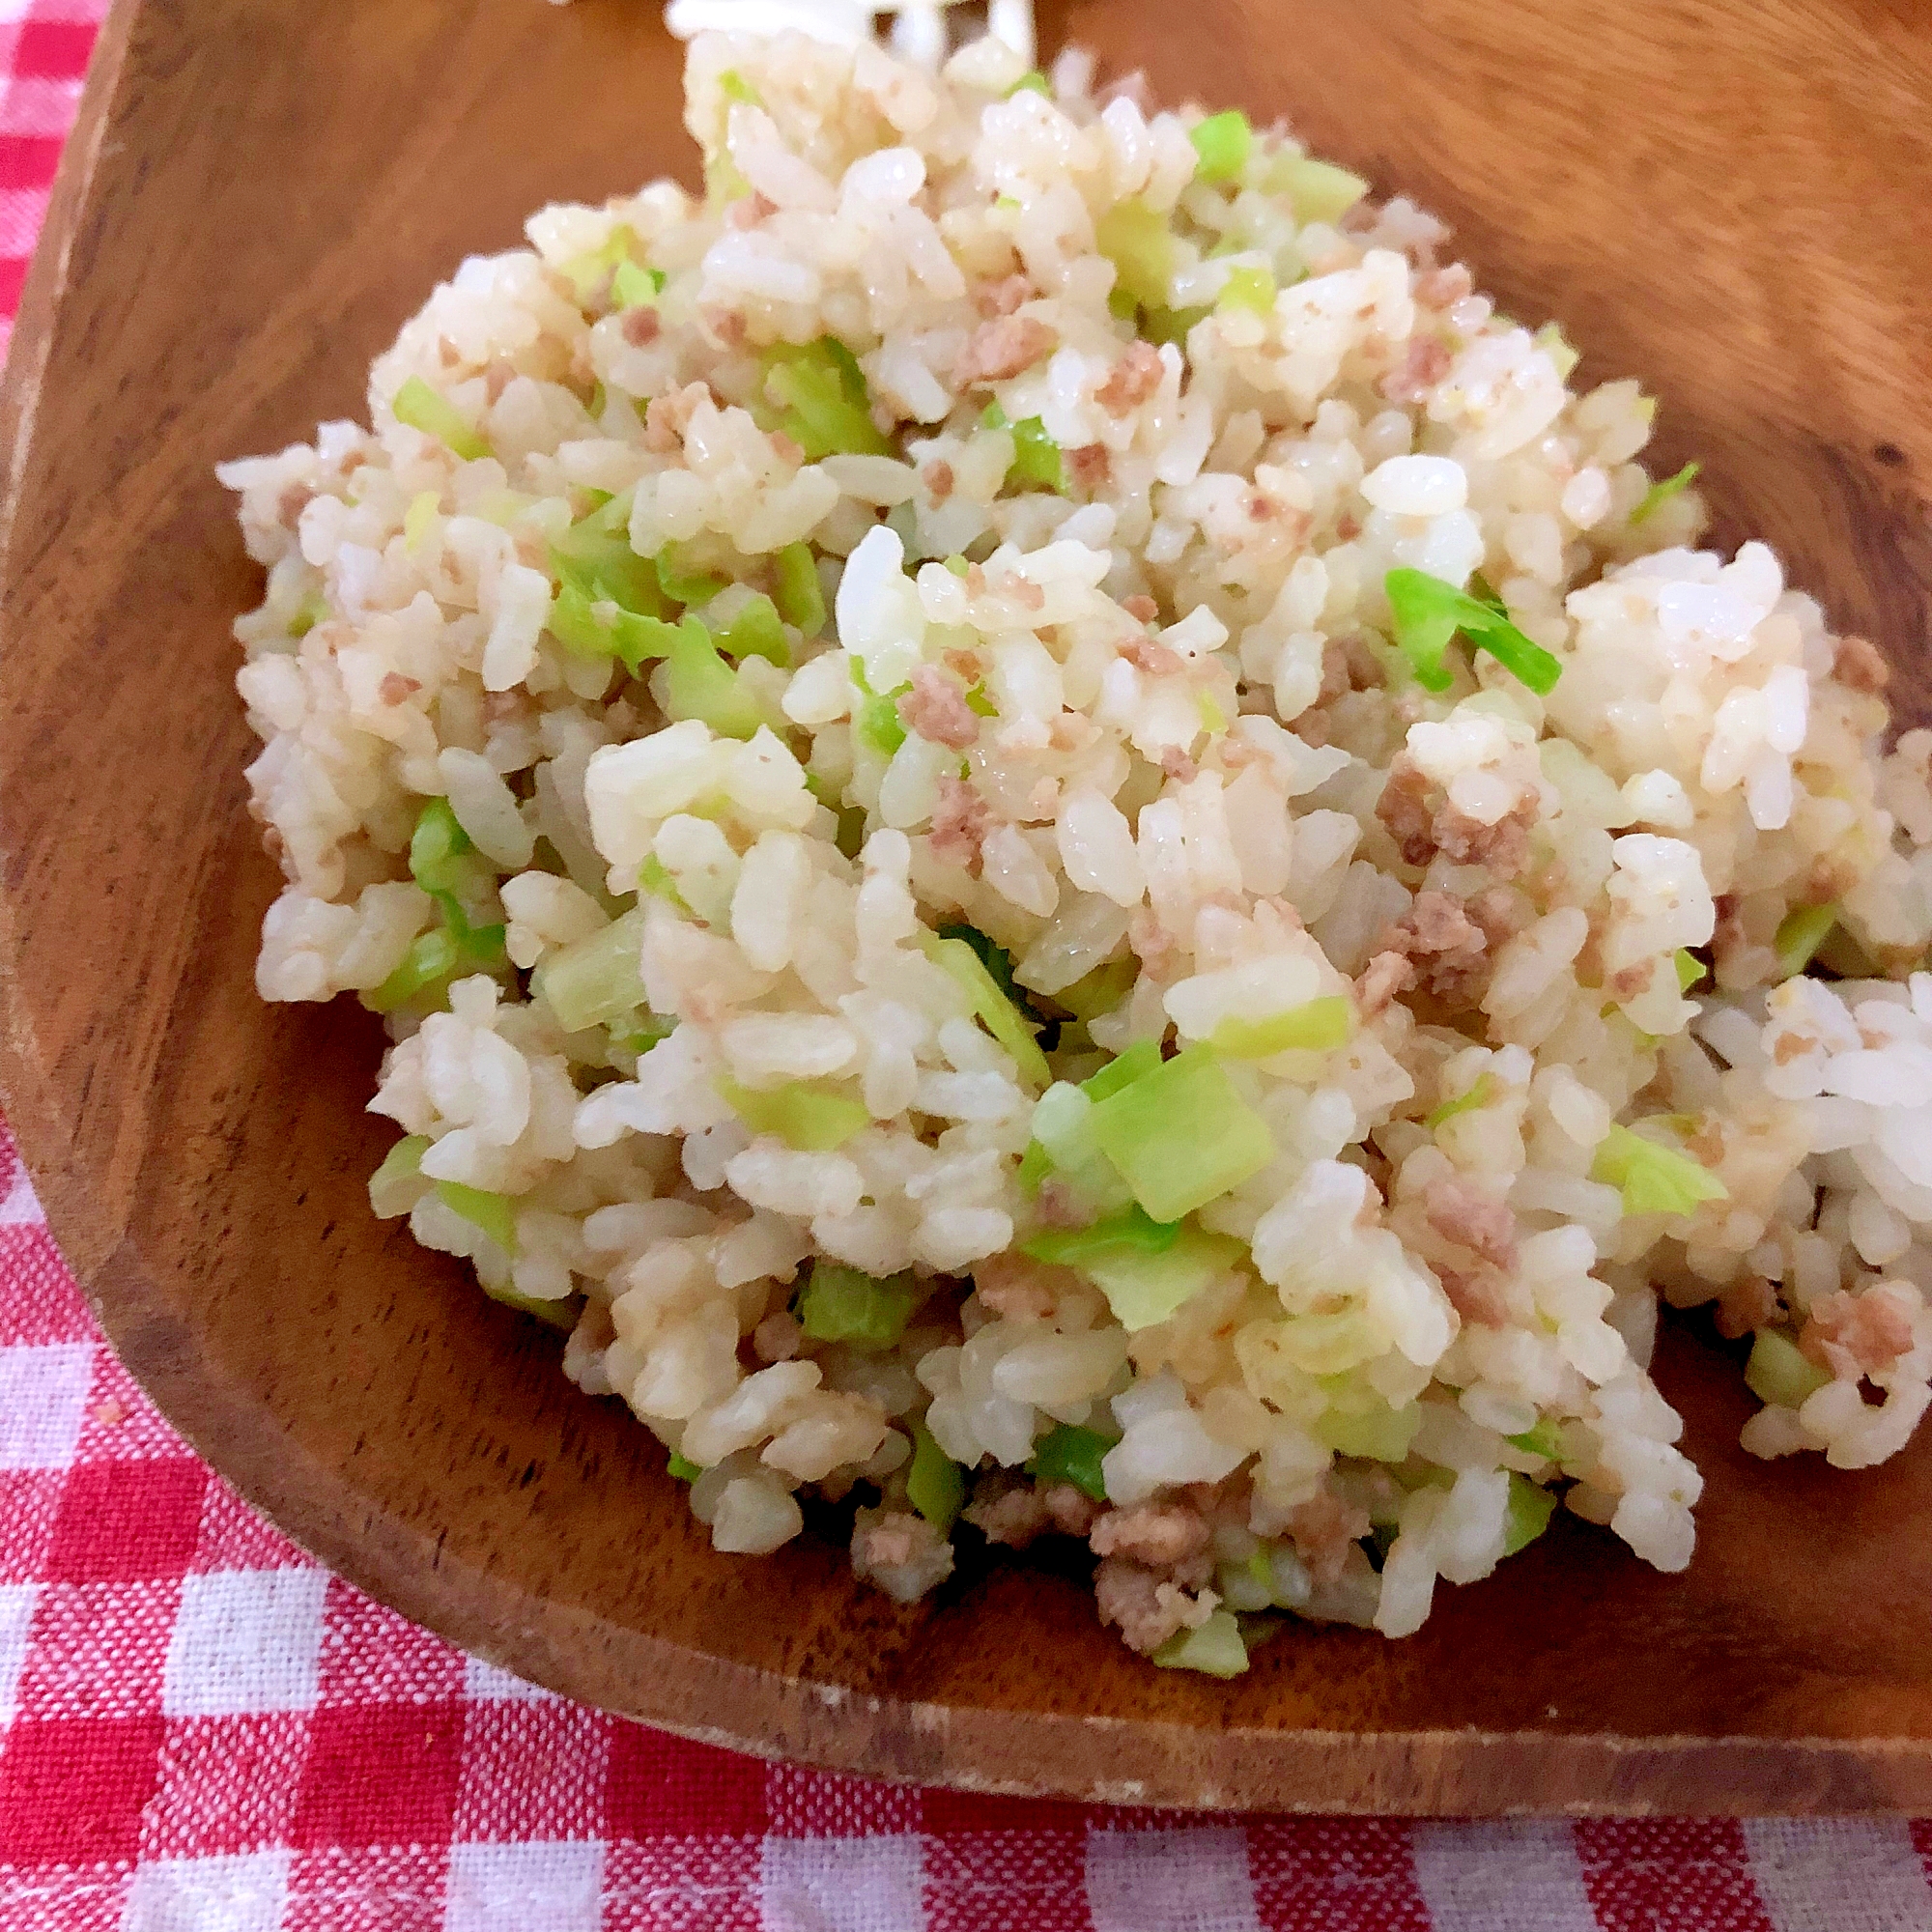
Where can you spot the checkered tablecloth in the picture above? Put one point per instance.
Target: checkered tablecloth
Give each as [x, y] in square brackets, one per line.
[203, 1731]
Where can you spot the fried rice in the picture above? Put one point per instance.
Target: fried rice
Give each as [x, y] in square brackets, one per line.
[1058, 845]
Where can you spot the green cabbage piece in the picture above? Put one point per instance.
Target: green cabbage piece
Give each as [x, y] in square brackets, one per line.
[799, 594]
[823, 405]
[935, 1484]
[1181, 1135]
[595, 271]
[1147, 1269]
[1036, 457]
[1527, 1514]
[1248, 288]
[1376, 1433]
[804, 1114]
[1480, 1094]
[757, 632]
[1142, 1057]
[1801, 932]
[633, 287]
[684, 581]
[1428, 611]
[997, 1013]
[1140, 244]
[1215, 1649]
[841, 1304]
[1318, 1026]
[1660, 493]
[1319, 190]
[1780, 1372]
[559, 1312]
[1655, 1179]
[700, 684]
[398, 1184]
[494, 1214]
[594, 557]
[876, 722]
[1222, 145]
[1067, 1454]
[437, 841]
[595, 981]
[419, 406]
[1546, 1439]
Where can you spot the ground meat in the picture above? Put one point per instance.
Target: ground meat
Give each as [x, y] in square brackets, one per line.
[749, 212]
[937, 476]
[727, 325]
[1404, 806]
[641, 326]
[1324, 1530]
[1141, 608]
[1022, 591]
[1149, 654]
[497, 379]
[1014, 1516]
[891, 1540]
[1627, 982]
[1500, 912]
[1477, 1294]
[1424, 365]
[1159, 955]
[1018, 1288]
[395, 687]
[1178, 766]
[1073, 1510]
[1070, 731]
[1446, 944]
[1463, 1213]
[936, 708]
[1131, 380]
[1003, 297]
[1855, 1335]
[290, 504]
[1503, 847]
[667, 418]
[1002, 348]
[1729, 937]
[1857, 662]
[1164, 1536]
[1385, 976]
[1443, 288]
[1060, 1206]
[777, 1338]
[1088, 465]
[1143, 1606]
[1745, 1305]
[960, 822]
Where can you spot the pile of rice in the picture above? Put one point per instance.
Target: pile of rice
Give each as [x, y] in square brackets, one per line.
[1054, 558]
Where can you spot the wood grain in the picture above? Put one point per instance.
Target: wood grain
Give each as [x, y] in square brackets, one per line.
[1724, 195]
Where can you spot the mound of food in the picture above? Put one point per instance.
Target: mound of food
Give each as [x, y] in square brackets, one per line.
[1055, 843]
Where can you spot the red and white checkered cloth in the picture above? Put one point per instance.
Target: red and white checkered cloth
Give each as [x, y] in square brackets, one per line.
[203, 1731]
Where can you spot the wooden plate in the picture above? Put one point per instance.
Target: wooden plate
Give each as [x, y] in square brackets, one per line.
[1726, 195]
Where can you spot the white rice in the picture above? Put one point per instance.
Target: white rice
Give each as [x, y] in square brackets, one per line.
[1154, 743]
